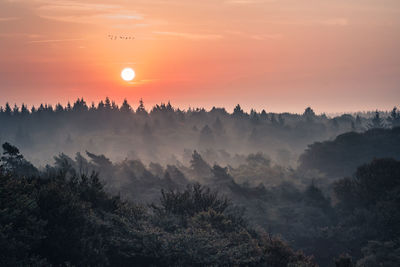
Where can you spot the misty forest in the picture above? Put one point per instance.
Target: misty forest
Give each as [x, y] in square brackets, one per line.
[106, 185]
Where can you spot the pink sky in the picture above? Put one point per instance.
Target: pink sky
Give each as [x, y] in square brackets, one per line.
[278, 55]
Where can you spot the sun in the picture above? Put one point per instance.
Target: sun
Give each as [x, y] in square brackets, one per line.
[128, 74]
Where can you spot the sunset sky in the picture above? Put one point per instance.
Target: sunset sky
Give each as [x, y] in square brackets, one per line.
[278, 55]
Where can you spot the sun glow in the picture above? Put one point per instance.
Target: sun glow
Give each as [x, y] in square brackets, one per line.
[128, 74]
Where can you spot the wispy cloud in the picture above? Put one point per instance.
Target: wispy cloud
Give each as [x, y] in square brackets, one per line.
[122, 16]
[326, 22]
[192, 36]
[54, 41]
[75, 6]
[20, 35]
[81, 12]
[130, 25]
[8, 18]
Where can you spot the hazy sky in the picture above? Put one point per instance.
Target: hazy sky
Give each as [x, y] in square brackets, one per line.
[281, 55]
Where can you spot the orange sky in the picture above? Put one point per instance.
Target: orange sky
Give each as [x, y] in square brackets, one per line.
[278, 55]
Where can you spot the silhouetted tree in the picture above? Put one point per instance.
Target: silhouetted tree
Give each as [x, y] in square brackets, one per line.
[238, 111]
[141, 109]
[12, 162]
[11, 159]
[7, 110]
[126, 108]
[394, 118]
[15, 110]
[263, 115]
[24, 110]
[254, 117]
[376, 122]
[309, 114]
[80, 106]
[107, 104]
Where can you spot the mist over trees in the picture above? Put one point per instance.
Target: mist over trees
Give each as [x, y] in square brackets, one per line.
[130, 132]
[124, 186]
[59, 217]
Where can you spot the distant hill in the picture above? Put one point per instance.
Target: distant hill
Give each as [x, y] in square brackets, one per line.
[341, 156]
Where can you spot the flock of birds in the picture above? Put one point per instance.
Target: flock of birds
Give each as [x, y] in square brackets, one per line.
[116, 37]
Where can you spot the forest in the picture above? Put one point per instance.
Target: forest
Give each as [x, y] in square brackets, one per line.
[103, 185]
[165, 134]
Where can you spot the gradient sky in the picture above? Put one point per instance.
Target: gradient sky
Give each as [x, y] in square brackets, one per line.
[278, 55]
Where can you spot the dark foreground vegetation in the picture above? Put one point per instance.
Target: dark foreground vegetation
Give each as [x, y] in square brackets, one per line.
[55, 219]
[59, 217]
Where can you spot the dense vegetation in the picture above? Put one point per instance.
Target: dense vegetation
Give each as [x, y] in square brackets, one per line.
[341, 156]
[164, 133]
[63, 215]
[235, 195]
[56, 219]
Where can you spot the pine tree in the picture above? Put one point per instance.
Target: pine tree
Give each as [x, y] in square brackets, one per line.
[376, 122]
[59, 108]
[254, 117]
[7, 110]
[394, 118]
[15, 110]
[238, 111]
[309, 114]
[263, 115]
[107, 104]
[100, 106]
[126, 108]
[24, 110]
[141, 109]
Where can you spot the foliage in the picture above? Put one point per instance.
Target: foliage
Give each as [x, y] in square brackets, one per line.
[13, 162]
[162, 130]
[376, 122]
[346, 152]
[368, 204]
[65, 219]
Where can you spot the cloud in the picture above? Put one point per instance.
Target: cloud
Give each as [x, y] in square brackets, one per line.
[80, 12]
[8, 19]
[130, 26]
[20, 35]
[54, 41]
[192, 36]
[75, 6]
[122, 16]
[326, 22]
